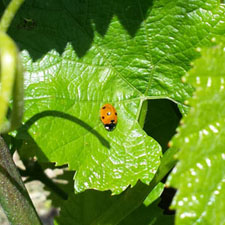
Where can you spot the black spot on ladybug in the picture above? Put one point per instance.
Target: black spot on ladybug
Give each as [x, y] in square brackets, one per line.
[112, 121]
[103, 117]
[103, 107]
[116, 114]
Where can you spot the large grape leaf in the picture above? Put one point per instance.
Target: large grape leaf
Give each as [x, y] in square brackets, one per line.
[85, 208]
[200, 174]
[80, 55]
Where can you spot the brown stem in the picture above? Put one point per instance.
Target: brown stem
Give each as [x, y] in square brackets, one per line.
[14, 198]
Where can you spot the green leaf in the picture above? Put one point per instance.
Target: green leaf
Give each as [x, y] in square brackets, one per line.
[154, 194]
[151, 215]
[93, 52]
[85, 208]
[200, 174]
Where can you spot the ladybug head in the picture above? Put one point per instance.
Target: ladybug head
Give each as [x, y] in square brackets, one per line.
[110, 127]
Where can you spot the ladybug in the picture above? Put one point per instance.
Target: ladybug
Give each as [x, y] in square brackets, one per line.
[108, 117]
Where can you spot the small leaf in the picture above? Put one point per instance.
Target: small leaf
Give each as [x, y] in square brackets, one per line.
[154, 194]
[200, 174]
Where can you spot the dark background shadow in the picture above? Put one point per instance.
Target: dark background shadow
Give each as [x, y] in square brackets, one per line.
[23, 130]
[42, 25]
[162, 119]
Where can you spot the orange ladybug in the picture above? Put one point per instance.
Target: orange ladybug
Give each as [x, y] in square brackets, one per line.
[108, 116]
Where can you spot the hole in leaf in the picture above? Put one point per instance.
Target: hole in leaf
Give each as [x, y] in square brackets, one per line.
[161, 121]
[166, 200]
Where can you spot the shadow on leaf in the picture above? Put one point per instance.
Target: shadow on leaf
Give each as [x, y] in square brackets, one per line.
[24, 128]
[40, 26]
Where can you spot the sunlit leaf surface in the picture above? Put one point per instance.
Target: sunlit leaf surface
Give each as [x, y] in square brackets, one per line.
[200, 174]
[79, 55]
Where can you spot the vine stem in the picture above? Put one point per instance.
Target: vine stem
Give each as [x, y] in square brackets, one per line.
[135, 196]
[14, 198]
[142, 113]
[9, 14]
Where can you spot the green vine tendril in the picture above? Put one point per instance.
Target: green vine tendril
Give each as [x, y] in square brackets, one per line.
[11, 74]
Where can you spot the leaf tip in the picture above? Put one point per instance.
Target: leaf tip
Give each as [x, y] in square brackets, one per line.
[191, 64]
[170, 144]
[177, 130]
[198, 49]
[183, 79]
[213, 39]
[181, 122]
[166, 185]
